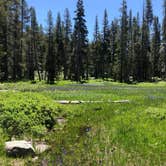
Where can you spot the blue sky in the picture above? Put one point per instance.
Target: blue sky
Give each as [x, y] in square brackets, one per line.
[92, 8]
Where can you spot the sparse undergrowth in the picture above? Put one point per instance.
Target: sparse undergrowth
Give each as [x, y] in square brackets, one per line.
[95, 133]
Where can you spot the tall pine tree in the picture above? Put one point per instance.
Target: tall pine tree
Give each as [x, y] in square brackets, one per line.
[124, 44]
[156, 41]
[105, 59]
[50, 61]
[96, 51]
[67, 45]
[80, 43]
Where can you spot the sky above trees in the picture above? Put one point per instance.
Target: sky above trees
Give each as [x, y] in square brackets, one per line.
[92, 7]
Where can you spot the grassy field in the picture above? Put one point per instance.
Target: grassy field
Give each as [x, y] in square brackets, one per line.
[105, 133]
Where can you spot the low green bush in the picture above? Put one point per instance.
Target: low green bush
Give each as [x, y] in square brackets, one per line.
[20, 112]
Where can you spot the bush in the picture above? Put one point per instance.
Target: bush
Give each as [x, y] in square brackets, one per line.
[20, 112]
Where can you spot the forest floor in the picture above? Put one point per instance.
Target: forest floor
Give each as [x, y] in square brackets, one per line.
[106, 132]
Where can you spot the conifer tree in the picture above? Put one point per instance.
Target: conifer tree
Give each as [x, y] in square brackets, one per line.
[124, 44]
[67, 44]
[25, 18]
[96, 50]
[4, 6]
[115, 49]
[149, 12]
[164, 22]
[80, 43]
[105, 59]
[163, 46]
[59, 45]
[41, 51]
[156, 41]
[34, 39]
[145, 49]
[130, 45]
[15, 30]
[137, 56]
[50, 61]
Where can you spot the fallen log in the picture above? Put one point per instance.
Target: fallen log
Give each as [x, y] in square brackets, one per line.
[91, 102]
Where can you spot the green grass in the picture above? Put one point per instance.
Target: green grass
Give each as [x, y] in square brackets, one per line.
[96, 133]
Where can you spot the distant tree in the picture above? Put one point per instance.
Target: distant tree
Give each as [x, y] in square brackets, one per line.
[67, 44]
[163, 46]
[15, 30]
[25, 18]
[34, 38]
[130, 45]
[50, 61]
[115, 49]
[28, 52]
[164, 22]
[4, 73]
[149, 12]
[41, 51]
[145, 50]
[96, 51]
[105, 59]
[137, 56]
[80, 43]
[59, 45]
[124, 44]
[156, 41]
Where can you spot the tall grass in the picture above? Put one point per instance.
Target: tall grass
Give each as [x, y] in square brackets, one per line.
[105, 133]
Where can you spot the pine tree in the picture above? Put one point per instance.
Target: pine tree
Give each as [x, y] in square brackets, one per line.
[145, 50]
[115, 49]
[149, 12]
[59, 45]
[25, 18]
[15, 29]
[34, 37]
[41, 52]
[80, 43]
[4, 5]
[156, 41]
[50, 61]
[96, 51]
[137, 60]
[124, 44]
[67, 44]
[105, 59]
[163, 46]
[164, 22]
[130, 45]
[28, 53]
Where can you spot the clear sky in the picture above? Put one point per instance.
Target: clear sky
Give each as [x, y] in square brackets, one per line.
[92, 8]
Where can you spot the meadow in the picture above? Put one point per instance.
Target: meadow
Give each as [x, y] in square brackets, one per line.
[104, 133]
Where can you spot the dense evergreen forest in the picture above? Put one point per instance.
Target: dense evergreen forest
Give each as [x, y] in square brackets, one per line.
[125, 49]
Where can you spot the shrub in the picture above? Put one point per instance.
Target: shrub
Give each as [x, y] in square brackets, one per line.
[20, 112]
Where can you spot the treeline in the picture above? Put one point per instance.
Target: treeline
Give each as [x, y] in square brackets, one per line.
[126, 49]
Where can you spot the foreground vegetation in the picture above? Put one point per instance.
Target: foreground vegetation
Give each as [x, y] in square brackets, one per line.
[103, 133]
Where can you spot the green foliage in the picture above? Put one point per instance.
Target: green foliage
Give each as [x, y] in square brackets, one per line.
[103, 133]
[3, 138]
[156, 113]
[25, 112]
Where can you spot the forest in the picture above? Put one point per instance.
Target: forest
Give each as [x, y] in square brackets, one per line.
[69, 99]
[126, 49]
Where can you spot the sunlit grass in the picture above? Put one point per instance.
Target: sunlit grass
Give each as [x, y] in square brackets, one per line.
[104, 133]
